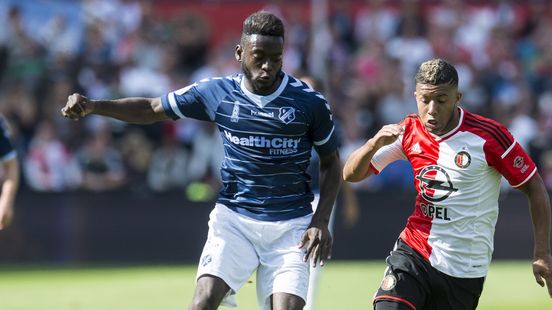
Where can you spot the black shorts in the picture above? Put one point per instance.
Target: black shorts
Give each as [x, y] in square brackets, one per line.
[410, 279]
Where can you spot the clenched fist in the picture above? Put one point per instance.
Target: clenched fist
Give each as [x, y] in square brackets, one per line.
[77, 107]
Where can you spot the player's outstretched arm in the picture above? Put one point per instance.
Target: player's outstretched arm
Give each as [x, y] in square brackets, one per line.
[539, 205]
[9, 191]
[132, 110]
[357, 166]
[317, 240]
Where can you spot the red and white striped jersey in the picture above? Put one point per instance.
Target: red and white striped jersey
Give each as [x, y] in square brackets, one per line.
[457, 177]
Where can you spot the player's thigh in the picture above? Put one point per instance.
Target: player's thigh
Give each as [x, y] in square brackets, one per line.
[210, 289]
[227, 253]
[456, 293]
[281, 268]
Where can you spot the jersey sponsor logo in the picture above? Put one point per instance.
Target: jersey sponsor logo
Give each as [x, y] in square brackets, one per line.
[235, 112]
[388, 282]
[435, 212]
[286, 114]
[435, 184]
[276, 146]
[462, 159]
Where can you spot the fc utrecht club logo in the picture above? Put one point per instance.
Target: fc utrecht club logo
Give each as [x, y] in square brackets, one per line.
[462, 159]
[435, 184]
[287, 114]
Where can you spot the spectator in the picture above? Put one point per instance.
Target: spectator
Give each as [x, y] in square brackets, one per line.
[49, 166]
[101, 164]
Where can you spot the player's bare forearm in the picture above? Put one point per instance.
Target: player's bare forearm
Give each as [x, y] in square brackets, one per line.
[132, 110]
[317, 240]
[330, 182]
[9, 191]
[539, 206]
[357, 166]
[137, 110]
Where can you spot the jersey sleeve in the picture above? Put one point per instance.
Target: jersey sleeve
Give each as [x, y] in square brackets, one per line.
[324, 136]
[7, 151]
[199, 100]
[386, 155]
[507, 156]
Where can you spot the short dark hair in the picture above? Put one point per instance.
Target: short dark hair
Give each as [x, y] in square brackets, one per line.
[436, 72]
[263, 23]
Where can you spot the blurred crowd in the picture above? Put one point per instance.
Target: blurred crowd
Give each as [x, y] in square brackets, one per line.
[365, 52]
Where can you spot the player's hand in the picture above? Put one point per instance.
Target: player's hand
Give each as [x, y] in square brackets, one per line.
[77, 107]
[317, 242]
[542, 270]
[387, 135]
[6, 216]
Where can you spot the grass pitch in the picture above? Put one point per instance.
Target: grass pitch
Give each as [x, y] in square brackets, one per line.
[343, 285]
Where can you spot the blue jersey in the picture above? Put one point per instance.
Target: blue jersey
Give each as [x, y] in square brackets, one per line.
[6, 149]
[267, 141]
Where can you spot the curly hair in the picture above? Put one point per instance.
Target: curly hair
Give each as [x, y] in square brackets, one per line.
[436, 72]
[263, 23]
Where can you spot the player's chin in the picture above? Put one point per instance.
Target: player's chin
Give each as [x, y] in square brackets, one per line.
[433, 128]
[264, 85]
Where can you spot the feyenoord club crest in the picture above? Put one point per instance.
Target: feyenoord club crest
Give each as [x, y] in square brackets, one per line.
[462, 159]
[287, 114]
[389, 282]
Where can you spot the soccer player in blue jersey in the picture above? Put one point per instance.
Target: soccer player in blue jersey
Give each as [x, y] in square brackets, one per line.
[10, 180]
[269, 122]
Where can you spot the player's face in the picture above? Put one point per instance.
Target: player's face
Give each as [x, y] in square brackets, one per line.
[261, 61]
[437, 107]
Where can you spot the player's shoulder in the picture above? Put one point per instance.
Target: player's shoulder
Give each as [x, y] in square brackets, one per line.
[302, 92]
[488, 129]
[227, 82]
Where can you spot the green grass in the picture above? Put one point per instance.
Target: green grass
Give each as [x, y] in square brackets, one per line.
[343, 285]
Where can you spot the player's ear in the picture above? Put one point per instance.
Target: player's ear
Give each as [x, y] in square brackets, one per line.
[238, 53]
[458, 97]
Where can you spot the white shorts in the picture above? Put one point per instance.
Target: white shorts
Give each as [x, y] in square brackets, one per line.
[238, 245]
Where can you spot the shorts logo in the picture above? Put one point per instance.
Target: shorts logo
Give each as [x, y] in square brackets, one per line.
[435, 184]
[389, 282]
[286, 114]
[462, 159]
[206, 260]
[518, 162]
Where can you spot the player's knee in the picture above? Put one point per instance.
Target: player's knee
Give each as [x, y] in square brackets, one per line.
[390, 305]
[206, 299]
[204, 302]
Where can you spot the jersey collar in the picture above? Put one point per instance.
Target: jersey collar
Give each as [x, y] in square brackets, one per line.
[262, 101]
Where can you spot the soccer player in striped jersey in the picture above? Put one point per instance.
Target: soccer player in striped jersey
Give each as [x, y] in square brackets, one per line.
[10, 178]
[442, 256]
[269, 121]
